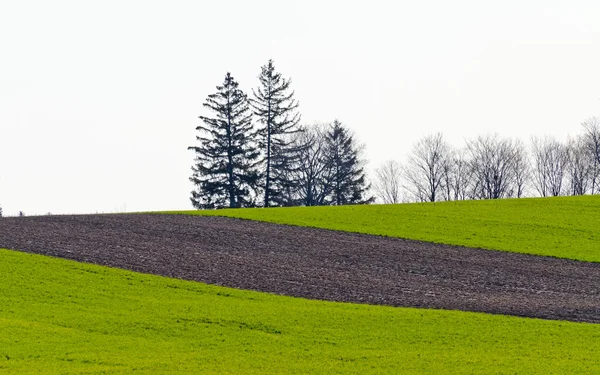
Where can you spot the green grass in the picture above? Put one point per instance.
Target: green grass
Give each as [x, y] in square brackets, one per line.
[59, 316]
[564, 227]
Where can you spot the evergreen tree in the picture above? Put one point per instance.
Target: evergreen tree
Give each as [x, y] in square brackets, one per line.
[276, 110]
[225, 165]
[344, 159]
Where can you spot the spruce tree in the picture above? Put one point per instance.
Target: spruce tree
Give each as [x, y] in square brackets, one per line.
[276, 111]
[344, 159]
[224, 171]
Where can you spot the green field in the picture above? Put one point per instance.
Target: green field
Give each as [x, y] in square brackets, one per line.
[64, 317]
[564, 227]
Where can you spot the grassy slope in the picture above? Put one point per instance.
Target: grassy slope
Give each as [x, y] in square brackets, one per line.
[565, 227]
[59, 316]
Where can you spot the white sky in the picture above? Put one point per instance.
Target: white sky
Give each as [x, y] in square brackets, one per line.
[99, 100]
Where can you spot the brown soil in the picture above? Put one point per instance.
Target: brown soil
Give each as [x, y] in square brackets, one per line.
[319, 264]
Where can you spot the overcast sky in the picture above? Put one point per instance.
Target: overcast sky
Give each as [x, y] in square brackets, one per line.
[99, 100]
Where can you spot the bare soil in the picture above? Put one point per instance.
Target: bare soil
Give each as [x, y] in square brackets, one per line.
[318, 264]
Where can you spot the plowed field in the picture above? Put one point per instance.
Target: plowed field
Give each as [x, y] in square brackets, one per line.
[318, 264]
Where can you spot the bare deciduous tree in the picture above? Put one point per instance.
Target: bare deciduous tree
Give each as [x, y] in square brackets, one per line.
[550, 162]
[313, 175]
[457, 175]
[387, 185]
[426, 166]
[521, 167]
[580, 164]
[448, 174]
[592, 142]
[493, 166]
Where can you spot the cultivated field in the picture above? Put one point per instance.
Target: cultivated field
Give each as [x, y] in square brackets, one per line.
[564, 227]
[317, 263]
[65, 317]
[60, 316]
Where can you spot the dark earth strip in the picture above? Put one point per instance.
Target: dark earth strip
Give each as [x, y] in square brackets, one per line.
[317, 263]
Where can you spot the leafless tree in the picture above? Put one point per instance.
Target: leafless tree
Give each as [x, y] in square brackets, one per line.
[550, 160]
[387, 182]
[580, 166]
[424, 171]
[462, 174]
[522, 168]
[312, 175]
[493, 166]
[457, 174]
[592, 142]
[448, 175]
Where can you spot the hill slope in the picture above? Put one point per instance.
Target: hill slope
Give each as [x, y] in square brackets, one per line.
[318, 263]
[64, 317]
[563, 227]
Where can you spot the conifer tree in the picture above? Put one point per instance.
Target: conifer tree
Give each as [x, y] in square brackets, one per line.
[276, 111]
[347, 171]
[224, 171]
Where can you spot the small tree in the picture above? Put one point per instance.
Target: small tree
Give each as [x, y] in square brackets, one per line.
[461, 175]
[312, 175]
[493, 163]
[277, 113]
[592, 144]
[426, 168]
[580, 166]
[388, 182]
[550, 163]
[225, 165]
[344, 158]
[521, 167]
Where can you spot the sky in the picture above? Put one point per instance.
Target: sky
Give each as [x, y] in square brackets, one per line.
[100, 100]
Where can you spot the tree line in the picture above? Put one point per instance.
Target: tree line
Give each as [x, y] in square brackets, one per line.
[253, 151]
[492, 167]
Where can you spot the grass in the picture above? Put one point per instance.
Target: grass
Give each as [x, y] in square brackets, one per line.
[63, 317]
[563, 227]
